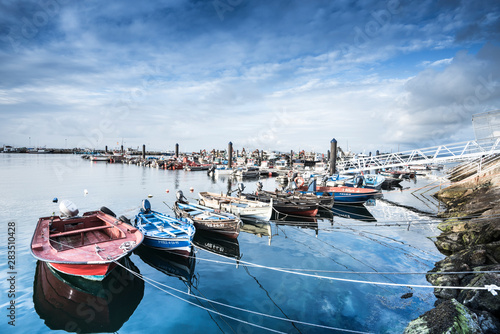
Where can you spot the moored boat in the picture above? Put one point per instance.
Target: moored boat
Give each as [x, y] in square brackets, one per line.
[164, 232]
[372, 181]
[208, 219]
[87, 246]
[237, 205]
[342, 195]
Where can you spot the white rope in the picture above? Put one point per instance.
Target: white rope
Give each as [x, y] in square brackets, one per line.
[489, 288]
[156, 283]
[361, 272]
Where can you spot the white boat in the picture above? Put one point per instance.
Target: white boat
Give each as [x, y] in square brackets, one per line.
[281, 164]
[237, 205]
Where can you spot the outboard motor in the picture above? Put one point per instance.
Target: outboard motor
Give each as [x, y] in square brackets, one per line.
[68, 209]
[359, 181]
[180, 197]
[241, 187]
[146, 206]
[259, 186]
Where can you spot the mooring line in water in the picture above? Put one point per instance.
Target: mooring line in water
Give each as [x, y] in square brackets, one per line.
[249, 264]
[491, 288]
[157, 285]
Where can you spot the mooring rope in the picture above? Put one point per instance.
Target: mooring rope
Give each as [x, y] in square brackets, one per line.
[155, 283]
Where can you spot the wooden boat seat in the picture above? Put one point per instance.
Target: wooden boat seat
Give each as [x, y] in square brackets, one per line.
[83, 230]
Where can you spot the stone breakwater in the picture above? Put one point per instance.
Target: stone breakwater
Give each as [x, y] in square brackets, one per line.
[471, 242]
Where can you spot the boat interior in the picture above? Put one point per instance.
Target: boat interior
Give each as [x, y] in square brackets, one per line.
[82, 231]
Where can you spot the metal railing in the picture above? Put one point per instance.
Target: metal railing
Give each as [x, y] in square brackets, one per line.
[426, 156]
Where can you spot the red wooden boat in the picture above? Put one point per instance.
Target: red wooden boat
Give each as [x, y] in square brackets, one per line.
[87, 246]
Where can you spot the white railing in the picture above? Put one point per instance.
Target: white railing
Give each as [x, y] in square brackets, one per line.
[432, 155]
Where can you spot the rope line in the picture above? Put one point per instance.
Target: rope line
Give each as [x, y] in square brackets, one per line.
[491, 288]
[155, 283]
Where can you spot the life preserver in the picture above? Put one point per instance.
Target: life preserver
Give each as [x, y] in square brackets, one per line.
[290, 173]
[299, 181]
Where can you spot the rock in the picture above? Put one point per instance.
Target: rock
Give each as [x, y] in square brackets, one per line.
[482, 300]
[448, 317]
[488, 323]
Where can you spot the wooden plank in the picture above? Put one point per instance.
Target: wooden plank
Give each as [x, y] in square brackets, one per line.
[61, 234]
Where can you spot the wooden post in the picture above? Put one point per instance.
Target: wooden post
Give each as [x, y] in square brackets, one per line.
[333, 156]
[177, 150]
[144, 151]
[229, 155]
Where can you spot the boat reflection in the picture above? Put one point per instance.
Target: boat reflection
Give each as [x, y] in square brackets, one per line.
[257, 227]
[170, 264]
[217, 244]
[298, 221]
[356, 212]
[75, 304]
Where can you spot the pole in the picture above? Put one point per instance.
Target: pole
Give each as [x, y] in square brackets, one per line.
[333, 156]
[177, 150]
[144, 151]
[229, 155]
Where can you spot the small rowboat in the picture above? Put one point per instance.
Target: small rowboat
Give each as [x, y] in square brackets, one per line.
[87, 246]
[237, 205]
[164, 232]
[208, 219]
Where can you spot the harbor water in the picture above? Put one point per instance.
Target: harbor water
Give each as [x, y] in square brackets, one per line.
[352, 270]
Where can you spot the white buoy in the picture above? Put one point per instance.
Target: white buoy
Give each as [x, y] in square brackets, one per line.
[191, 189]
[149, 196]
[167, 191]
[85, 192]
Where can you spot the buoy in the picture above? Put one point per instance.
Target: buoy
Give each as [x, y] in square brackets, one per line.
[55, 200]
[167, 191]
[149, 196]
[85, 192]
[191, 189]
[270, 174]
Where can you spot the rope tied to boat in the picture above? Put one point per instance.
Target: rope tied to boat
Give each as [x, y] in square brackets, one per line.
[127, 245]
[492, 288]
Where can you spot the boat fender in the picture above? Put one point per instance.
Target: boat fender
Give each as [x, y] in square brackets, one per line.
[107, 211]
[299, 181]
[146, 206]
[359, 181]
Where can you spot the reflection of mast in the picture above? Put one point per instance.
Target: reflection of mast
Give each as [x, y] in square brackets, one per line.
[170, 264]
[270, 298]
[257, 227]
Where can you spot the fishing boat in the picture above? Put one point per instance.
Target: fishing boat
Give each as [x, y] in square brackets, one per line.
[207, 219]
[372, 181]
[343, 194]
[100, 157]
[246, 172]
[87, 246]
[164, 232]
[237, 205]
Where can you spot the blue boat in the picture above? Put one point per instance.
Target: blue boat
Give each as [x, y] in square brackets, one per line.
[164, 232]
[372, 181]
[342, 195]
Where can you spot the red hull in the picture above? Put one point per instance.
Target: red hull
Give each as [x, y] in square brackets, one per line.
[88, 270]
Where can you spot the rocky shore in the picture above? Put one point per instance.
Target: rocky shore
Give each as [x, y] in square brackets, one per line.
[470, 239]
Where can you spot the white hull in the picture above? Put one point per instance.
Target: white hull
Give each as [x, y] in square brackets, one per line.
[238, 206]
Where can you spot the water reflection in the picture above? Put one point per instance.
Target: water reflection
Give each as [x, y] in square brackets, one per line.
[356, 212]
[257, 227]
[217, 244]
[170, 264]
[75, 304]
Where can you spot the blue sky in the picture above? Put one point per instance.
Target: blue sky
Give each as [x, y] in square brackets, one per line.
[263, 74]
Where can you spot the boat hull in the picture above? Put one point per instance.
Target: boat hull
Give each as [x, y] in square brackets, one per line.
[176, 245]
[347, 195]
[93, 272]
[87, 246]
[238, 206]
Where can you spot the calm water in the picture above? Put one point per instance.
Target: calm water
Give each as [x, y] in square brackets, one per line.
[221, 272]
